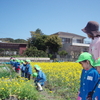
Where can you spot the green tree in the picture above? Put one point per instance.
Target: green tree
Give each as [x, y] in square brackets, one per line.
[10, 40]
[62, 53]
[29, 41]
[2, 51]
[38, 40]
[20, 41]
[54, 43]
[7, 40]
[34, 52]
[36, 33]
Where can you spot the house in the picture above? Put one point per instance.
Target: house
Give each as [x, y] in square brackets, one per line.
[12, 48]
[73, 44]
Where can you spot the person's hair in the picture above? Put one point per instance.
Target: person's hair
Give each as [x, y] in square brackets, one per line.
[90, 36]
[97, 36]
[86, 61]
[83, 61]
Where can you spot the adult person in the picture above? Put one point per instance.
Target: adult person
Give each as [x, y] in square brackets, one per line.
[92, 31]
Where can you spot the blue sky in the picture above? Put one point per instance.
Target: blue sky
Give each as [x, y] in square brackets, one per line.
[19, 17]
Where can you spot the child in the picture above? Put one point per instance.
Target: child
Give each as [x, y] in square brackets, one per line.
[34, 76]
[13, 63]
[40, 79]
[92, 31]
[89, 75]
[28, 69]
[22, 67]
[17, 65]
[96, 92]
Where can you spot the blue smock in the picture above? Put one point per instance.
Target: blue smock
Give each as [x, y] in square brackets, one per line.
[41, 77]
[88, 80]
[16, 64]
[28, 69]
[11, 62]
[96, 95]
[22, 67]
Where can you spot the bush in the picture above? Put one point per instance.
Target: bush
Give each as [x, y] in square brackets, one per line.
[34, 52]
[62, 53]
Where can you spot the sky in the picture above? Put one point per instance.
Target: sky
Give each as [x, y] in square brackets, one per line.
[19, 17]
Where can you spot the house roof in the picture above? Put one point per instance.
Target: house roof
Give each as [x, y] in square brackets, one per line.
[12, 43]
[68, 34]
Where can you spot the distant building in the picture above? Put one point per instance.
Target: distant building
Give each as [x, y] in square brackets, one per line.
[72, 43]
[12, 48]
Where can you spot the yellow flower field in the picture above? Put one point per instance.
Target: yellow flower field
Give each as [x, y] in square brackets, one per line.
[66, 71]
[62, 77]
[20, 87]
[65, 75]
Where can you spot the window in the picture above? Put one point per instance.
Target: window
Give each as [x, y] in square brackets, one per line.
[79, 41]
[63, 39]
[67, 40]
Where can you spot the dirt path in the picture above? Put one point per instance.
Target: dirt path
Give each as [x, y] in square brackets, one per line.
[49, 96]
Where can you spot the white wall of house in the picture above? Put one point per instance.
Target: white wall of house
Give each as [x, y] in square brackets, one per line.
[74, 45]
[71, 39]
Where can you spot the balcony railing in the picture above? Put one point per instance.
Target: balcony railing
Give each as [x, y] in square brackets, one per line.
[74, 43]
[80, 44]
[85, 42]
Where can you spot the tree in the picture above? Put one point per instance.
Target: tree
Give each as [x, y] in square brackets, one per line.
[54, 43]
[40, 42]
[10, 40]
[62, 53]
[38, 32]
[7, 40]
[2, 51]
[34, 52]
[20, 41]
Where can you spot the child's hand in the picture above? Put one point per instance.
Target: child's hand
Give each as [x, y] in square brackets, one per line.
[79, 98]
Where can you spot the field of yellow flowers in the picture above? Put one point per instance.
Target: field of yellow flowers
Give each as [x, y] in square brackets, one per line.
[18, 88]
[62, 82]
[62, 77]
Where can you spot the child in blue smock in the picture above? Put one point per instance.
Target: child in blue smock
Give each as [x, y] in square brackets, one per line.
[34, 75]
[22, 67]
[40, 79]
[13, 63]
[96, 92]
[17, 65]
[28, 69]
[89, 75]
